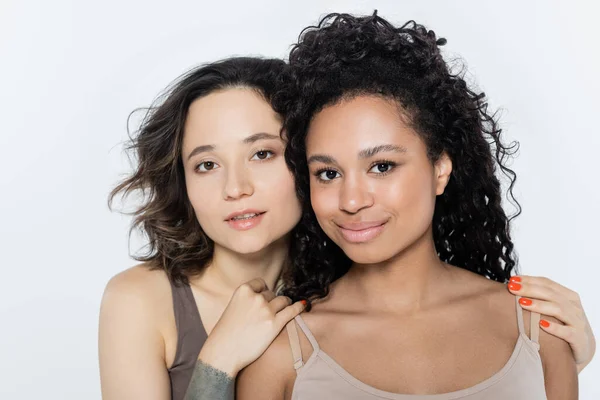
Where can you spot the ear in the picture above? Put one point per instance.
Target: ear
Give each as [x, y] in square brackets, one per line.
[443, 169]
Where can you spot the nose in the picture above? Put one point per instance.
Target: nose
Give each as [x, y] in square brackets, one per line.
[354, 196]
[238, 183]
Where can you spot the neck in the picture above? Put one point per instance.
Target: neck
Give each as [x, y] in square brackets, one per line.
[407, 282]
[228, 270]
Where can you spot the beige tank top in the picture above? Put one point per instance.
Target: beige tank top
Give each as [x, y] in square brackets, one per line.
[321, 378]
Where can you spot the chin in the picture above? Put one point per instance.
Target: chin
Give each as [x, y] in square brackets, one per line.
[365, 254]
[248, 247]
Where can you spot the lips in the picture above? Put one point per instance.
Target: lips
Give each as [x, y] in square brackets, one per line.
[244, 214]
[361, 232]
[245, 219]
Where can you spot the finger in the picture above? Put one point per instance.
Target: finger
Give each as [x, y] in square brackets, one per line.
[542, 281]
[566, 314]
[256, 285]
[563, 332]
[534, 291]
[290, 312]
[279, 303]
[268, 295]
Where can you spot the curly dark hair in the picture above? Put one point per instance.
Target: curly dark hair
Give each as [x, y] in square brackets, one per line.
[176, 242]
[346, 56]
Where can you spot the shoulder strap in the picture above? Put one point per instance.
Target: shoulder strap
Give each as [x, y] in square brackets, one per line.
[295, 344]
[534, 330]
[295, 340]
[534, 327]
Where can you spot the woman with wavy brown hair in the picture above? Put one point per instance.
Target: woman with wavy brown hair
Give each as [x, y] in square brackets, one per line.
[218, 209]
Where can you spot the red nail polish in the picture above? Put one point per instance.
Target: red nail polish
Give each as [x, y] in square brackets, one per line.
[303, 302]
[525, 302]
[514, 286]
[544, 323]
[515, 279]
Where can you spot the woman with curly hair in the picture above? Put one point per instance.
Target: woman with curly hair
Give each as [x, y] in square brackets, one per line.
[407, 249]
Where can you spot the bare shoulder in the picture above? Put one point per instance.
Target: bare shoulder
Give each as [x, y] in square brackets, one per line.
[138, 282]
[139, 297]
[131, 339]
[272, 375]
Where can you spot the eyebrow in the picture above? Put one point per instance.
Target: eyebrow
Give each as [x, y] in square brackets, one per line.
[371, 151]
[249, 140]
[260, 136]
[365, 153]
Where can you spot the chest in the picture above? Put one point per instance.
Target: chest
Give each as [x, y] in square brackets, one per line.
[414, 355]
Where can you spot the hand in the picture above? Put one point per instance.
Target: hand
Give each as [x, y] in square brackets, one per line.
[549, 298]
[252, 320]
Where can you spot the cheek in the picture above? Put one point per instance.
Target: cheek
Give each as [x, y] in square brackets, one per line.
[412, 196]
[324, 201]
[204, 196]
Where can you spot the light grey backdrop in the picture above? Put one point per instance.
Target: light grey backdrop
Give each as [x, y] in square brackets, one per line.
[71, 72]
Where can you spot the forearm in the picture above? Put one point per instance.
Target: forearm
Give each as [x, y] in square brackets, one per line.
[209, 383]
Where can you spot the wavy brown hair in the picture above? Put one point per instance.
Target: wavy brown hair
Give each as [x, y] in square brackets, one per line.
[176, 241]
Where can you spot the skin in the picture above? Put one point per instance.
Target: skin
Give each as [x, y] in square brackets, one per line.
[368, 165]
[243, 169]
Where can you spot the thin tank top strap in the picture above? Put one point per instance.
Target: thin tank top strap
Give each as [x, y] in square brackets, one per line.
[307, 332]
[295, 344]
[295, 340]
[534, 327]
[520, 316]
[534, 330]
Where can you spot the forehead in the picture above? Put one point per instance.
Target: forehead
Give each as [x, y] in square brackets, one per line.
[229, 114]
[359, 122]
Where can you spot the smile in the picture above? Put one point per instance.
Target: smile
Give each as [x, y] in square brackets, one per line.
[361, 232]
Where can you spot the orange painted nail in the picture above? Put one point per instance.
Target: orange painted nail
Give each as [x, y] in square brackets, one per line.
[515, 279]
[303, 302]
[514, 286]
[544, 323]
[525, 302]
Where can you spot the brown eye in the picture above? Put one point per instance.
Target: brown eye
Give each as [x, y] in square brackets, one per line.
[327, 175]
[382, 167]
[262, 155]
[206, 166]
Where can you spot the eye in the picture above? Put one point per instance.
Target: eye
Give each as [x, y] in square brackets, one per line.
[382, 167]
[262, 155]
[327, 174]
[206, 166]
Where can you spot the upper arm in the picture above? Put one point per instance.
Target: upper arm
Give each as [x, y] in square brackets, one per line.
[271, 376]
[131, 348]
[560, 370]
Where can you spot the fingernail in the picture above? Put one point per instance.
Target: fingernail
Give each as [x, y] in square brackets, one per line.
[525, 302]
[515, 279]
[303, 302]
[544, 323]
[514, 286]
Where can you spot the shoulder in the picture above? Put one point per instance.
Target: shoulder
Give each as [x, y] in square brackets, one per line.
[141, 285]
[272, 375]
[131, 339]
[139, 295]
